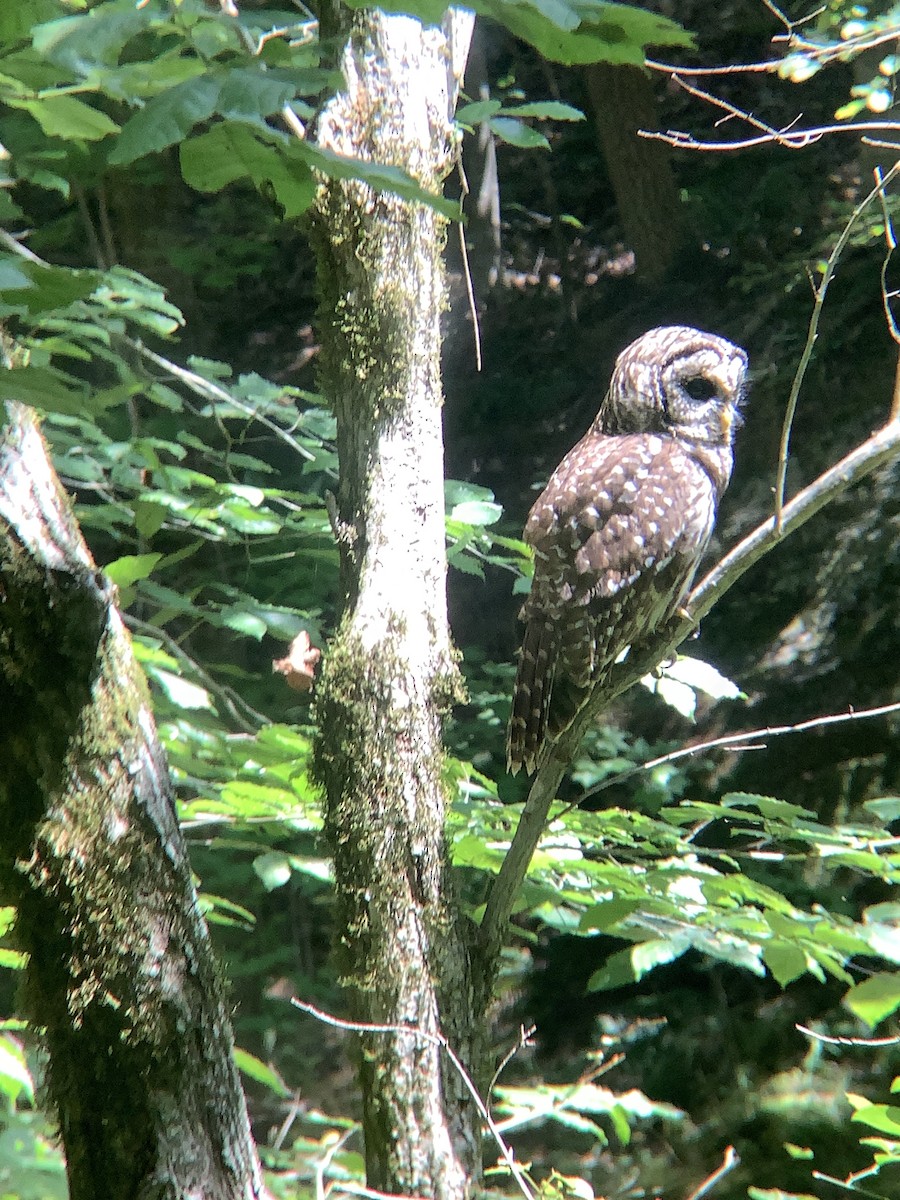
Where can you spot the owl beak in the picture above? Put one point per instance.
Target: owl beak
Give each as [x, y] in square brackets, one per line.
[726, 421]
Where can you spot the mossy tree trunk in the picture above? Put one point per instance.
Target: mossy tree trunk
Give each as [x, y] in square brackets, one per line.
[120, 974]
[389, 674]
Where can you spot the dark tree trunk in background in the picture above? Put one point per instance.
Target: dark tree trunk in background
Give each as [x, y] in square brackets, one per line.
[389, 674]
[120, 974]
[639, 169]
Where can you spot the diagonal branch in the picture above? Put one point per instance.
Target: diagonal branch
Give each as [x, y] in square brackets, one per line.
[881, 448]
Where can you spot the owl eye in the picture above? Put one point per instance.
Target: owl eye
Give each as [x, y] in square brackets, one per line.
[700, 388]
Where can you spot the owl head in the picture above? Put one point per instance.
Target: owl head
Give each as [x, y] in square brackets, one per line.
[679, 381]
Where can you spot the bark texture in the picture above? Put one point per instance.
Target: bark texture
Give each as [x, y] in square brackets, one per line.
[640, 170]
[389, 674]
[120, 974]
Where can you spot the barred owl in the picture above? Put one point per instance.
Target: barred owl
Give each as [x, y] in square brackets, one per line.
[621, 526]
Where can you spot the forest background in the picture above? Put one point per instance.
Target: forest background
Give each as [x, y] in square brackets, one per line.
[159, 309]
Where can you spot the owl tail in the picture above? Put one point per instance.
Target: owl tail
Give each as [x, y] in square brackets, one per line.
[531, 697]
[577, 674]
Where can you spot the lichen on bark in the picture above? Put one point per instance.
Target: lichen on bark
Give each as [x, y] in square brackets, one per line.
[390, 674]
[120, 977]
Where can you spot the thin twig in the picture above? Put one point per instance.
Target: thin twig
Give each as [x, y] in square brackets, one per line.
[293, 122]
[211, 391]
[812, 334]
[845, 1041]
[757, 68]
[734, 741]
[888, 295]
[16, 247]
[523, 1040]
[730, 1160]
[435, 1039]
[849, 1184]
[788, 137]
[91, 233]
[467, 274]
[230, 699]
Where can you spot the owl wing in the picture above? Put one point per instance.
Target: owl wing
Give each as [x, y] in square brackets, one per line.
[617, 535]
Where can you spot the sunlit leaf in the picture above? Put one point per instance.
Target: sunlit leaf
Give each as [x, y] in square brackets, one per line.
[875, 998]
[260, 1072]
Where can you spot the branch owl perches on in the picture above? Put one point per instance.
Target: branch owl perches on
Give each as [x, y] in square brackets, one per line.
[622, 525]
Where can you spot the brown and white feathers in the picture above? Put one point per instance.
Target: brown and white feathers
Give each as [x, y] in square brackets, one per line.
[620, 528]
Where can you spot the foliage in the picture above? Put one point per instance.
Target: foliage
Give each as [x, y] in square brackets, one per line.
[202, 488]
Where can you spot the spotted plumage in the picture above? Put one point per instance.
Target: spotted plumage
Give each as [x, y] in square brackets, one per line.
[621, 526]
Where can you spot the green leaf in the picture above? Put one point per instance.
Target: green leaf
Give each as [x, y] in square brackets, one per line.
[67, 117]
[78, 43]
[604, 916]
[211, 161]
[149, 517]
[801, 1153]
[377, 175]
[45, 388]
[756, 1193]
[15, 1078]
[628, 966]
[57, 287]
[478, 111]
[259, 1071]
[166, 119]
[767, 805]
[476, 512]
[546, 110]
[16, 20]
[249, 94]
[883, 1117]
[273, 868]
[886, 808]
[130, 568]
[244, 622]
[875, 998]
[181, 692]
[586, 31]
[786, 961]
[518, 134]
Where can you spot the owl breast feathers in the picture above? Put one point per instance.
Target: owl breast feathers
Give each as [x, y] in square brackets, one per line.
[620, 528]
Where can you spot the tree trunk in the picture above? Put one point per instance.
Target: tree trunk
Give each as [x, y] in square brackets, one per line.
[640, 170]
[120, 974]
[390, 674]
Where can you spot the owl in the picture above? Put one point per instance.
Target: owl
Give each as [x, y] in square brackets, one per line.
[620, 528]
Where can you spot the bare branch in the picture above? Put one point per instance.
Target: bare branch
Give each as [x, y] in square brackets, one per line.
[757, 68]
[740, 742]
[244, 716]
[730, 1160]
[436, 1039]
[505, 887]
[467, 274]
[845, 1041]
[208, 390]
[788, 136]
[877, 192]
[881, 448]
